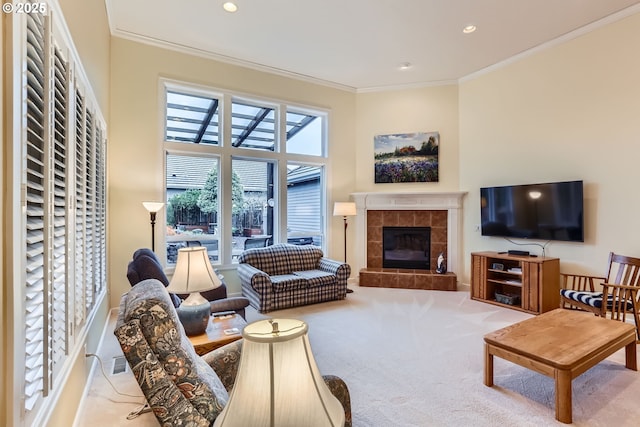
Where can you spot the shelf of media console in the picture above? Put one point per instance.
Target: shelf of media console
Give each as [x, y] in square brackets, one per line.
[506, 272]
[516, 283]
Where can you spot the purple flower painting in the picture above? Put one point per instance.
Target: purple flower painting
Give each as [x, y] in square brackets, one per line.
[406, 157]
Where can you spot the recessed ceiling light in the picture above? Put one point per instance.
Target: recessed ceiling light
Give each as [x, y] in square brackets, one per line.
[230, 6]
[469, 29]
[405, 65]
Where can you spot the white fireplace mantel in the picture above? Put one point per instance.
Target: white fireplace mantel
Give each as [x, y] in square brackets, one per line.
[428, 201]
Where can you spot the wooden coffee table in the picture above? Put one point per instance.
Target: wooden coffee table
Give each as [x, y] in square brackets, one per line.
[561, 344]
[215, 335]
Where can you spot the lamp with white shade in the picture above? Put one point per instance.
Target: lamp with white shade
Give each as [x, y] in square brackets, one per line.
[153, 208]
[278, 382]
[194, 274]
[344, 209]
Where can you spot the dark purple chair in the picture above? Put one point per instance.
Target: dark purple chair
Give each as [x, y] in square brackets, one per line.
[146, 265]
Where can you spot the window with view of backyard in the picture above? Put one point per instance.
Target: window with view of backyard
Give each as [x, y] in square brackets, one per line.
[231, 194]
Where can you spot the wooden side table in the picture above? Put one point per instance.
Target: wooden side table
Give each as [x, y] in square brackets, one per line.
[215, 335]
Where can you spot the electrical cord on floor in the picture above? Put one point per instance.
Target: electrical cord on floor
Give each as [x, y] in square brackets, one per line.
[141, 410]
[144, 408]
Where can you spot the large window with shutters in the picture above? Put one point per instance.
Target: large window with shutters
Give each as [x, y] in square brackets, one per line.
[58, 153]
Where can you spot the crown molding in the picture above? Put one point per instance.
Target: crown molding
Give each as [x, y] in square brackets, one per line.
[189, 50]
[614, 17]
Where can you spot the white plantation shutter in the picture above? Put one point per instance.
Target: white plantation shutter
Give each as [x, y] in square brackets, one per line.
[35, 292]
[62, 187]
[59, 347]
[100, 247]
[89, 191]
[80, 176]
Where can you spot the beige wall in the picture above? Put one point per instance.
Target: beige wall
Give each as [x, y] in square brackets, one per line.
[89, 27]
[425, 109]
[561, 114]
[570, 112]
[136, 149]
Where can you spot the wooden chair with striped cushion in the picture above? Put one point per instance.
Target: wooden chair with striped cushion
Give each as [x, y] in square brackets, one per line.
[618, 296]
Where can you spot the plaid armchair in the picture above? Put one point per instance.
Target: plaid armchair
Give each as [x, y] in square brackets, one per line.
[285, 275]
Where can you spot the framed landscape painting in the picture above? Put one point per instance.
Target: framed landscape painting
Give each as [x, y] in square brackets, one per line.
[406, 157]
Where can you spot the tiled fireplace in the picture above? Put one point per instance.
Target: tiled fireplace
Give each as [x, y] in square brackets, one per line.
[441, 212]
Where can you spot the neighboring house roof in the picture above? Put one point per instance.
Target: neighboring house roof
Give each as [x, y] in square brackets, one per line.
[253, 175]
[187, 172]
[303, 174]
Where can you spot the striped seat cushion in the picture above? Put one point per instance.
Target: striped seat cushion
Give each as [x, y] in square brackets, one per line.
[288, 282]
[282, 258]
[594, 299]
[317, 277]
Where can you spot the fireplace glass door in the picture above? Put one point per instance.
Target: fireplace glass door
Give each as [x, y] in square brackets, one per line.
[406, 247]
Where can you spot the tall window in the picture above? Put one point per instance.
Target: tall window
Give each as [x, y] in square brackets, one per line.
[267, 160]
[253, 218]
[305, 198]
[59, 143]
[192, 118]
[252, 126]
[192, 207]
[304, 133]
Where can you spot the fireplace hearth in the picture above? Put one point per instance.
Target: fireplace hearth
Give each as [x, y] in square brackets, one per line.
[406, 247]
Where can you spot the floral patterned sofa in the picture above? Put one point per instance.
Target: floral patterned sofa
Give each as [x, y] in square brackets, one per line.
[285, 275]
[181, 387]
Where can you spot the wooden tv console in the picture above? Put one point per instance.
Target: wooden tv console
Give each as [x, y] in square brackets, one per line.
[525, 283]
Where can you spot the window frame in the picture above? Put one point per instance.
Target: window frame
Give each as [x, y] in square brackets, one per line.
[226, 152]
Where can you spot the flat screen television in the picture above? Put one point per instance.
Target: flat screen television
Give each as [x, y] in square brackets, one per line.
[547, 211]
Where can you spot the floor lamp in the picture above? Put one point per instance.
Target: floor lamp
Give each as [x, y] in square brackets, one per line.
[153, 208]
[344, 209]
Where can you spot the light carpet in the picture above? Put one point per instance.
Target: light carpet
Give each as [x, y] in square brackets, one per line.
[416, 358]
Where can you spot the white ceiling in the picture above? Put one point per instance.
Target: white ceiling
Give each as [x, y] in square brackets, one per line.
[360, 44]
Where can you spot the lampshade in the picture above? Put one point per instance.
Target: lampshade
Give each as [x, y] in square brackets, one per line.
[193, 274]
[153, 206]
[278, 383]
[344, 209]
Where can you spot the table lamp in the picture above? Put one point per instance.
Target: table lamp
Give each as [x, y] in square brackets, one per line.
[278, 383]
[193, 274]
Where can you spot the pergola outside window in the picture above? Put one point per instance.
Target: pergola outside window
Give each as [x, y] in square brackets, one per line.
[256, 181]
